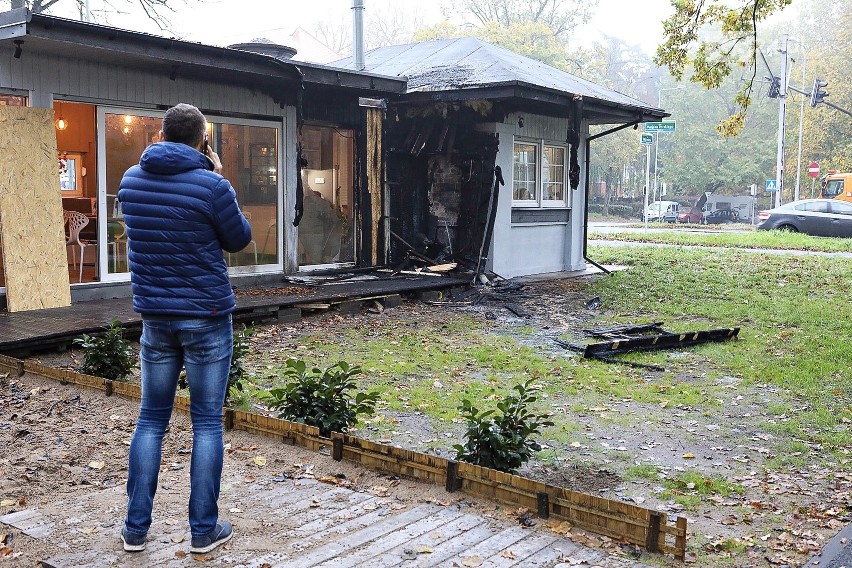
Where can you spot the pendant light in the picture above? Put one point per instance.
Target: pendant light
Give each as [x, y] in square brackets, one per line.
[61, 123]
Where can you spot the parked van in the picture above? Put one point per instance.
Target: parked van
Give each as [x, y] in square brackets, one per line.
[662, 211]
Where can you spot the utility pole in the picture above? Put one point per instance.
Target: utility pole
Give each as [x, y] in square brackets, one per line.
[801, 118]
[782, 109]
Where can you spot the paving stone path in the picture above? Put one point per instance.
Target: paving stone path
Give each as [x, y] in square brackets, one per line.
[301, 524]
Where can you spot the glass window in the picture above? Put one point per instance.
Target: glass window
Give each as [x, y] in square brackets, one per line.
[553, 174]
[525, 168]
[249, 155]
[326, 231]
[12, 100]
[833, 188]
[841, 208]
[816, 206]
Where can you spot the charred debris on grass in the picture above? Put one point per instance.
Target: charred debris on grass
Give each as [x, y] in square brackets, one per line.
[630, 338]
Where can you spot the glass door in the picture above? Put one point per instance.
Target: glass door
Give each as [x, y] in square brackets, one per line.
[124, 135]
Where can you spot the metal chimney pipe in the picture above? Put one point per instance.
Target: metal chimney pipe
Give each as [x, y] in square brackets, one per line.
[358, 33]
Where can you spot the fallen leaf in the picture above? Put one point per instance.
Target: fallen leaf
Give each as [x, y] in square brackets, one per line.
[688, 456]
[424, 550]
[259, 461]
[180, 554]
[8, 503]
[97, 464]
[250, 479]
[236, 510]
[472, 562]
[561, 527]
[508, 554]
[179, 537]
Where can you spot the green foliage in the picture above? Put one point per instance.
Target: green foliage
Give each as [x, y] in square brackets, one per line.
[713, 60]
[237, 372]
[501, 440]
[321, 397]
[107, 355]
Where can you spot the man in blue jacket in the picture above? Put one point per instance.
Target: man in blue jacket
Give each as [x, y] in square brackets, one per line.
[180, 215]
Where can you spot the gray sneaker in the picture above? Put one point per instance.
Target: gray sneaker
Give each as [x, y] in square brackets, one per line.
[219, 535]
[132, 542]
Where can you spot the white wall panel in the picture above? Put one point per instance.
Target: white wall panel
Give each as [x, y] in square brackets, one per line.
[548, 242]
[538, 126]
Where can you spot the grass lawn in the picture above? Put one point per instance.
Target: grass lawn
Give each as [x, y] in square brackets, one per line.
[750, 430]
[725, 237]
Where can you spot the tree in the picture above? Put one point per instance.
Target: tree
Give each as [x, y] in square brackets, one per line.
[154, 9]
[561, 16]
[384, 24]
[531, 39]
[733, 44]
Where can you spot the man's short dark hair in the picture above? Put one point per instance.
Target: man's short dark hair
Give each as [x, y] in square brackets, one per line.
[185, 124]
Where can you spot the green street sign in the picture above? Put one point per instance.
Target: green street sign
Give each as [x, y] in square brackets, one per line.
[647, 139]
[664, 126]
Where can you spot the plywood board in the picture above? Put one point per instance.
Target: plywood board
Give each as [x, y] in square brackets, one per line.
[34, 256]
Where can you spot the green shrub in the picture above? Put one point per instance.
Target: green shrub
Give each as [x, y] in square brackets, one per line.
[107, 355]
[321, 397]
[501, 441]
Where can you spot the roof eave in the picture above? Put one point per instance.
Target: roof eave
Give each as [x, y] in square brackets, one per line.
[537, 93]
[317, 74]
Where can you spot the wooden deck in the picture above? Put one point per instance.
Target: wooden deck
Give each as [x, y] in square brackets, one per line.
[22, 333]
[316, 525]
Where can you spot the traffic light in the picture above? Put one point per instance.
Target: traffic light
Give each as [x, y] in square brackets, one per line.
[817, 94]
[774, 87]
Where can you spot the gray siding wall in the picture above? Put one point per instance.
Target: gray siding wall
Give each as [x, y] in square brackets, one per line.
[46, 76]
[538, 126]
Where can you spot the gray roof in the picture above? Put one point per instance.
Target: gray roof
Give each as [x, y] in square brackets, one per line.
[467, 63]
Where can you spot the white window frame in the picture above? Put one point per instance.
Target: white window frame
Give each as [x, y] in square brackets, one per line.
[539, 202]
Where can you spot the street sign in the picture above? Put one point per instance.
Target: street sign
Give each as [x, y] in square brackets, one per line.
[647, 139]
[771, 185]
[813, 169]
[664, 126]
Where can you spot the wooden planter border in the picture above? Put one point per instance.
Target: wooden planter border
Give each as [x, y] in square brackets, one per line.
[624, 521]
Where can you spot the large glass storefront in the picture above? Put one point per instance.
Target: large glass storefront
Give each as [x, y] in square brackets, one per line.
[96, 145]
[249, 151]
[327, 230]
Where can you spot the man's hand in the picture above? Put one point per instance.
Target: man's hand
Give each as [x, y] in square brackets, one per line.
[214, 157]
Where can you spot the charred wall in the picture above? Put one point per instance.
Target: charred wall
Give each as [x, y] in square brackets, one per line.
[440, 175]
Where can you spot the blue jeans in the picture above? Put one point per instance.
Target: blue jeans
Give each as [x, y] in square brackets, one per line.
[204, 347]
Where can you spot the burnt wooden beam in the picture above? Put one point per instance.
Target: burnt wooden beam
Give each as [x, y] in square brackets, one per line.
[626, 329]
[660, 341]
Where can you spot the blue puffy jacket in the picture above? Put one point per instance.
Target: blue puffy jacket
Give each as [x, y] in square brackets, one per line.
[179, 216]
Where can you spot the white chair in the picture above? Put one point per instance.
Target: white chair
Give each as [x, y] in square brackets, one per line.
[247, 215]
[76, 221]
[271, 230]
[118, 241]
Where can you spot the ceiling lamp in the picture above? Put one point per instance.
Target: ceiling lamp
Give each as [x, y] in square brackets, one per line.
[61, 123]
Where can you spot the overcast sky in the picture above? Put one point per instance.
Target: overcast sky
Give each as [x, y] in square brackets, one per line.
[223, 22]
